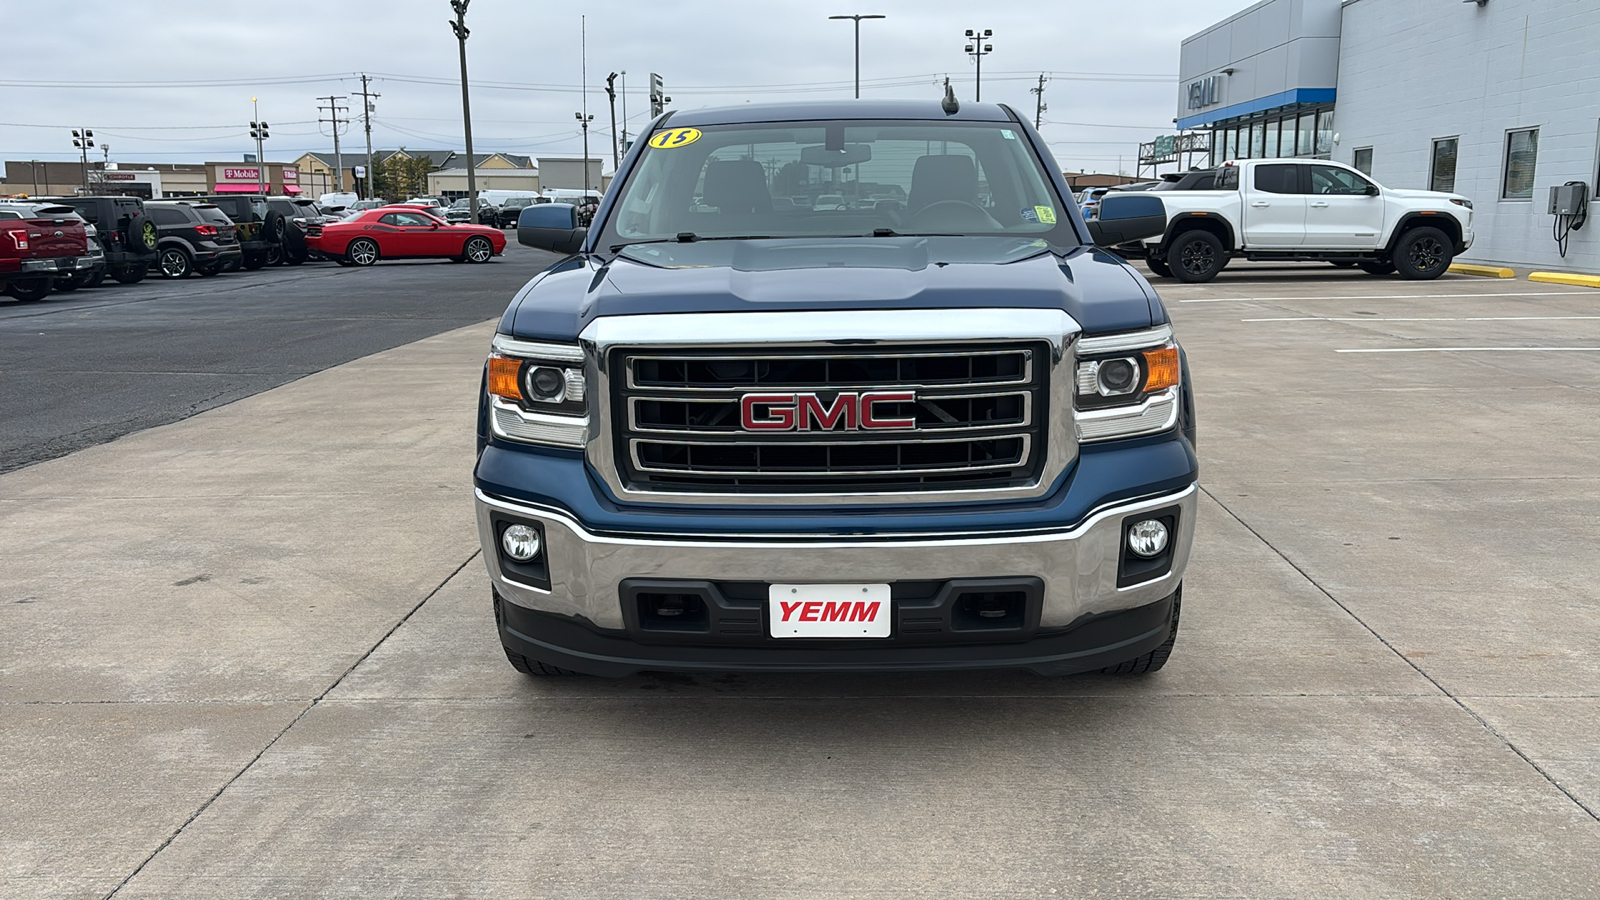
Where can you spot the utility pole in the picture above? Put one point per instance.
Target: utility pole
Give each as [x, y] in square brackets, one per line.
[624, 75]
[1038, 101]
[333, 109]
[977, 49]
[258, 130]
[658, 96]
[459, 26]
[367, 108]
[857, 20]
[611, 91]
[583, 80]
[83, 139]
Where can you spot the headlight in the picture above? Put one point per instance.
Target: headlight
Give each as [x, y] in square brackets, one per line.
[538, 393]
[1127, 384]
[1466, 203]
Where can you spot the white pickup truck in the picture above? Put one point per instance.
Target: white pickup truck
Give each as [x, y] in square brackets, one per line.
[1299, 209]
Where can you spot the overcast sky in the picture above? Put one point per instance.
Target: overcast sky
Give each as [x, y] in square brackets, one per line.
[1114, 62]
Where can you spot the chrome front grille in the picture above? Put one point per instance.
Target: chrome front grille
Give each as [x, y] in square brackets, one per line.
[976, 420]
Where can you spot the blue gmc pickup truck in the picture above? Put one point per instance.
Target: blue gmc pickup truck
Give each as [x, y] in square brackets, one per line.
[836, 387]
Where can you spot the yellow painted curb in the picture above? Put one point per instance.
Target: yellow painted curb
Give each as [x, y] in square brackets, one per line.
[1485, 271]
[1592, 281]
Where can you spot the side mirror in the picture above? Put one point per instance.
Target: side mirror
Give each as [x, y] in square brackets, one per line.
[433, 224]
[551, 226]
[1373, 191]
[1128, 217]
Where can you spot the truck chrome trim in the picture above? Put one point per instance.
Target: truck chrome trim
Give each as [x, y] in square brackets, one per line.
[865, 331]
[541, 350]
[513, 423]
[1026, 378]
[1132, 340]
[633, 450]
[1157, 413]
[1078, 563]
[1025, 421]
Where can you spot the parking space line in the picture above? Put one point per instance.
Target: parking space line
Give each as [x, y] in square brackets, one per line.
[1420, 319]
[1474, 350]
[1480, 295]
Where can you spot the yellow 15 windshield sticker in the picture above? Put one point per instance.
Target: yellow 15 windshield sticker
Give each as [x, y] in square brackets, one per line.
[674, 137]
[1045, 214]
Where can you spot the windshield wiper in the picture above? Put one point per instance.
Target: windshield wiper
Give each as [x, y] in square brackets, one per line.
[683, 237]
[890, 232]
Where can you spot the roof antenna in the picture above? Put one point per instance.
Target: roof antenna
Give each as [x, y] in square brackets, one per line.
[949, 103]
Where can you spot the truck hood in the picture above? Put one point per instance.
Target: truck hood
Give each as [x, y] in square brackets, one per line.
[1100, 291]
[1436, 196]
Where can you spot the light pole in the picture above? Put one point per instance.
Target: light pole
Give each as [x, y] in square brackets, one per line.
[624, 137]
[857, 20]
[977, 49]
[258, 130]
[459, 26]
[585, 120]
[611, 92]
[33, 166]
[83, 139]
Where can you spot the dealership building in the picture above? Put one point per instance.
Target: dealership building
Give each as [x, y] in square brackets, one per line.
[1498, 100]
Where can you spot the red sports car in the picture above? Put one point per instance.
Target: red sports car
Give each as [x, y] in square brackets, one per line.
[401, 232]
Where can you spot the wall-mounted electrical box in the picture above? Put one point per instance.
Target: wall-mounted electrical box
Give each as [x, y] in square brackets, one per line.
[1570, 199]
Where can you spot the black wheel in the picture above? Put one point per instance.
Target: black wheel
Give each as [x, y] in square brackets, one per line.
[95, 280]
[254, 261]
[1159, 267]
[274, 254]
[1423, 254]
[209, 270]
[537, 669]
[175, 262]
[132, 274]
[478, 250]
[293, 257]
[1155, 659]
[66, 284]
[1343, 263]
[140, 234]
[362, 252]
[1195, 257]
[273, 227]
[1376, 268]
[29, 290]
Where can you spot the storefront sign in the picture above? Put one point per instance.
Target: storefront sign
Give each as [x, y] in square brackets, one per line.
[291, 174]
[117, 176]
[251, 174]
[1205, 92]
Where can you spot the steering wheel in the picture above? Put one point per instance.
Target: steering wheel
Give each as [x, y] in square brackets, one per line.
[952, 214]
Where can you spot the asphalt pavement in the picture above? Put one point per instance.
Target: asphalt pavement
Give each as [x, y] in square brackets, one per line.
[87, 367]
[250, 654]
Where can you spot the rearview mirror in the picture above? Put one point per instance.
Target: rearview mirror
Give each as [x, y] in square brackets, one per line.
[551, 226]
[1127, 217]
[849, 155]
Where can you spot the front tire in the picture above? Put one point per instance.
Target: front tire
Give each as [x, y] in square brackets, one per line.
[1155, 659]
[1376, 268]
[1195, 257]
[131, 275]
[525, 664]
[477, 250]
[1159, 267]
[362, 252]
[1423, 254]
[211, 270]
[175, 262]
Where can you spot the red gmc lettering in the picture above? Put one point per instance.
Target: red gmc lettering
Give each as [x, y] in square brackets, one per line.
[806, 412]
[869, 420]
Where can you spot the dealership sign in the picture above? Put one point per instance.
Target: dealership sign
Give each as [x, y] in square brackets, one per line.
[117, 176]
[1205, 92]
[250, 174]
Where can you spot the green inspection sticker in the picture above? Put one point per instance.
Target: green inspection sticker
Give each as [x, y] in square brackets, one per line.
[1045, 214]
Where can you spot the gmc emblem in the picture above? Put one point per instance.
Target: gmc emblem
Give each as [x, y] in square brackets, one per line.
[806, 412]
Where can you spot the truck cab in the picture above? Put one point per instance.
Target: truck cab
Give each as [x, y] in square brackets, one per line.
[1300, 209]
[738, 429]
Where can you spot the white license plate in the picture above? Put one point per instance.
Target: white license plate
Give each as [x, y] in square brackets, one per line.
[829, 610]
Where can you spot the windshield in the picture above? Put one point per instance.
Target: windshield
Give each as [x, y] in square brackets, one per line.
[838, 179]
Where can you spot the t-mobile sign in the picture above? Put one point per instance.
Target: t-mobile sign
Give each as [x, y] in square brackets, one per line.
[241, 174]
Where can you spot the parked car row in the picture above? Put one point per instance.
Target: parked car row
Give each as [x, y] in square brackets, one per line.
[63, 244]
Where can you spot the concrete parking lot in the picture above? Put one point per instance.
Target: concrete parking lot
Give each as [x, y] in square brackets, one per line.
[249, 654]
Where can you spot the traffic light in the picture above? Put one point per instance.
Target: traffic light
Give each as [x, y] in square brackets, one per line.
[658, 96]
[258, 131]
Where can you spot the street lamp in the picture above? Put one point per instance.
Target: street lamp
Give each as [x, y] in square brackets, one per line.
[459, 26]
[857, 20]
[83, 139]
[585, 120]
[977, 49]
[258, 130]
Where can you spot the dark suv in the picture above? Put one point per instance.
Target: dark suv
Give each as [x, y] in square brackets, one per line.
[288, 220]
[192, 241]
[128, 235]
[249, 213]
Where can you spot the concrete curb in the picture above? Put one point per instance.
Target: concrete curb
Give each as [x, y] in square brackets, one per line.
[1482, 271]
[1590, 281]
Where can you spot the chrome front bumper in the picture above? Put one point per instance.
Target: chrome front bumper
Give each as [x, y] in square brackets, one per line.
[1078, 565]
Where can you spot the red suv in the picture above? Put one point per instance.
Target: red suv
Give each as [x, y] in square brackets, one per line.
[39, 241]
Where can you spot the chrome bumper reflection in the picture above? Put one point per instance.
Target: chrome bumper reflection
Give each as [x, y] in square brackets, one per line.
[1078, 565]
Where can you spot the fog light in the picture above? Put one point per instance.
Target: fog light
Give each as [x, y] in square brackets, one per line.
[521, 543]
[1147, 538]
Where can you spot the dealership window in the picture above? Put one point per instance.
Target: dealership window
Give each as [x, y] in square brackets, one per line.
[1258, 140]
[1307, 145]
[1325, 133]
[1522, 154]
[1442, 171]
[1272, 139]
[1363, 160]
